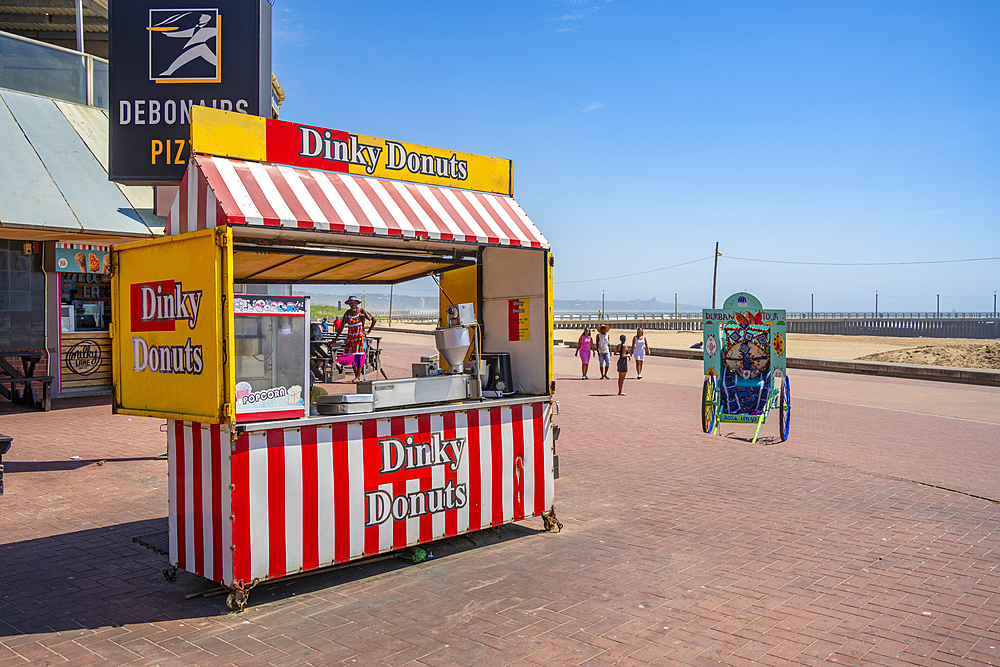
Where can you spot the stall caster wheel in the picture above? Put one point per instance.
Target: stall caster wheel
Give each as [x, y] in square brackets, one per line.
[551, 522]
[237, 600]
[239, 595]
[170, 574]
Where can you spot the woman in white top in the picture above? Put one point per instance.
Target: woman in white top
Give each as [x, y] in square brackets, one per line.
[638, 351]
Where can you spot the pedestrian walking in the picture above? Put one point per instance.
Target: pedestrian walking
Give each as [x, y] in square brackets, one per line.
[638, 351]
[623, 352]
[583, 347]
[603, 351]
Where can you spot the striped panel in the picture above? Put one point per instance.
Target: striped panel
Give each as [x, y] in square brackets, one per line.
[195, 206]
[83, 246]
[200, 499]
[218, 190]
[307, 497]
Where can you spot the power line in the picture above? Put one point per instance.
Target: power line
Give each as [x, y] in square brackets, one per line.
[933, 261]
[629, 275]
[931, 296]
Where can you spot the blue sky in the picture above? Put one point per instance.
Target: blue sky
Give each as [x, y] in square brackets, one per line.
[644, 132]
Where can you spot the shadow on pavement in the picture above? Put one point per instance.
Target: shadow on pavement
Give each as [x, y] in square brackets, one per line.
[11, 467]
[58, 404]
[748, 438]
[99, 577]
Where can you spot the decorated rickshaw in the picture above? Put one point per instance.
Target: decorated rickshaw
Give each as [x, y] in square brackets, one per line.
[745, 364]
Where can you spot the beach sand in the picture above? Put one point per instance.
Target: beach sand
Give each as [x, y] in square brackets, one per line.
[955, 352]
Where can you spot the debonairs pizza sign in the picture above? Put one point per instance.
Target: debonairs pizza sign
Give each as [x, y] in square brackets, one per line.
[167, 56]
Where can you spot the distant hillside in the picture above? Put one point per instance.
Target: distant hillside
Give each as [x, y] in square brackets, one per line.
[634, 306]
[401, 303]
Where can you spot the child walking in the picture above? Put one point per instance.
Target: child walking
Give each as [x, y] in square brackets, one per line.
[623, 352]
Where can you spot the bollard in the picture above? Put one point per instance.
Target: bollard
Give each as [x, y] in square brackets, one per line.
[5, 441]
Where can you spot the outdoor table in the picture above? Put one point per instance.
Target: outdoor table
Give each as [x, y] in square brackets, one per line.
[322, 348]
[323, 360]
[10, 375]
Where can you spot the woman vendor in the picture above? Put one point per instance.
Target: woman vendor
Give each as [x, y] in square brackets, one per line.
[354, 350]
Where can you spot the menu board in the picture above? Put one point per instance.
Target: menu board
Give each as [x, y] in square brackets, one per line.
[518, 317]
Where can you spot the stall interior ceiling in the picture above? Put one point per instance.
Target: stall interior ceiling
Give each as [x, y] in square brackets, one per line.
[326, 265]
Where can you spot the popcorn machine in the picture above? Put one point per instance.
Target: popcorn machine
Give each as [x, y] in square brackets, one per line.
[272, 362]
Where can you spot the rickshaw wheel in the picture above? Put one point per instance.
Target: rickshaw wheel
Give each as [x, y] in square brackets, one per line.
[708, 404]
[785, 410]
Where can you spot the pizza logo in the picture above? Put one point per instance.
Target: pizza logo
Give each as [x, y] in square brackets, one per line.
[184, 46]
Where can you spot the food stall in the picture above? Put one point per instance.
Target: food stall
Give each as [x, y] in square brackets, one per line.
[84, 316]
[261, 484]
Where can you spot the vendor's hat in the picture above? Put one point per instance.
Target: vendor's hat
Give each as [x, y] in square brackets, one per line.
[354, 299]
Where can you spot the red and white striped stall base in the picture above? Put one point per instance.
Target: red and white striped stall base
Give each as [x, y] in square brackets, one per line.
[286, 500]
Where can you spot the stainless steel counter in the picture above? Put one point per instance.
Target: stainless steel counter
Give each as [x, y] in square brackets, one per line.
[473, 404]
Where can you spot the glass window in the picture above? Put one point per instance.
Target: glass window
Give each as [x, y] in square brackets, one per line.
[42, 70]
[22, 297]
[100, 84]
[85, 302]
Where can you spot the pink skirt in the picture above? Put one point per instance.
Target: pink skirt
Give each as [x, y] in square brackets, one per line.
[585, 356]
[352, 360]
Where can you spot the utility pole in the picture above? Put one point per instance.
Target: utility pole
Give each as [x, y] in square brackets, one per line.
[994, 303]
[602, 304]
[876, 303]
[812, 305]
[675, 303]
[390, 307]
[79, 25]
[715, 272]
[939, 305]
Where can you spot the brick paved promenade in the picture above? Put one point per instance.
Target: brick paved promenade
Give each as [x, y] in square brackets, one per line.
[871, 537]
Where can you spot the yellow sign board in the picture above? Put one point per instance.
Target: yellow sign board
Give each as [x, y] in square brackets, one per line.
[519, 319]
[172, 328]
[236, 135]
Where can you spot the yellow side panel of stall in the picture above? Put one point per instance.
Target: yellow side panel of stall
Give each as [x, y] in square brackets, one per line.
[550, 321]
[517, 306]
[172, 331]
[458, 286]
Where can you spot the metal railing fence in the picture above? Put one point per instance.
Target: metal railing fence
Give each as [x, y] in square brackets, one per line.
[52, 71]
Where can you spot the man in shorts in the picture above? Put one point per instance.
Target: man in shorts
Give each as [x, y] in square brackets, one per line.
[603, 351]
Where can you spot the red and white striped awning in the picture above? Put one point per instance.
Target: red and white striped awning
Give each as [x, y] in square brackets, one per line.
[217, 191]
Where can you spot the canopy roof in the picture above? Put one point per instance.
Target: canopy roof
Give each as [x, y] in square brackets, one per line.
[221, 191]
[54, 177]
